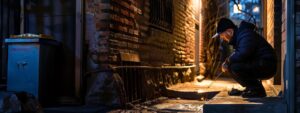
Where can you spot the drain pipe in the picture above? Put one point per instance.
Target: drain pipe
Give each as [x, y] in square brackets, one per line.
[79, 47]
[22, 17]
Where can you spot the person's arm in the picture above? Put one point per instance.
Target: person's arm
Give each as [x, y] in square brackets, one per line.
[225, 65]
[245, 48]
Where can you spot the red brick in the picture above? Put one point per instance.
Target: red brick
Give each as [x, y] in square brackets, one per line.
[130, 23]
[136, 32]
[124, 12]
[102, 25]
[122, 28]
[125, 4]
[103, 6]
[132, 15]
[116, 9]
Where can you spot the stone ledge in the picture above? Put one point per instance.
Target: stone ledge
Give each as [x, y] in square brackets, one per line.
[244, 105]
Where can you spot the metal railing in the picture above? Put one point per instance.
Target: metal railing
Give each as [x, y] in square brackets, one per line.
[136, 84]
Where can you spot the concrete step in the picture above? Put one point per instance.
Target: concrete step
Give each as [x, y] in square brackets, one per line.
[245, 105]
[192, 95]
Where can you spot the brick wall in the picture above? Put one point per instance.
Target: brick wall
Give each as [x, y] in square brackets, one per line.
[123, 27]
[156, 45]
[172, 48]
[116, 29]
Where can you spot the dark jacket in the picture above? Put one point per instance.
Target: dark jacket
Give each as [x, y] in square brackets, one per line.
[249, 45]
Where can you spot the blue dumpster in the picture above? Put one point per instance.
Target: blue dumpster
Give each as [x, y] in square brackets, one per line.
[31, 67]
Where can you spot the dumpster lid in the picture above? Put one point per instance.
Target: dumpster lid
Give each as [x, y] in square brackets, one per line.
[31, 40]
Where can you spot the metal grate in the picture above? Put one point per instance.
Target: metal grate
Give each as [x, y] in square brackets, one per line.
[142, 83]
[161, 12]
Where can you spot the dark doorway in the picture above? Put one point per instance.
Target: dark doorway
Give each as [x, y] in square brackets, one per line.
[9, 24]
[56, 18]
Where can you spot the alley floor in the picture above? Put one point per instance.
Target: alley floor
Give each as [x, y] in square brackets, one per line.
[191, 96]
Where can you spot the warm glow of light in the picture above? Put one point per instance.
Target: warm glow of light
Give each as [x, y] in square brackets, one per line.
[220, 84]
[256, 9]
[269, 82]
[200, 37]
[201, 91]
[195, 4]
[203, 83]
[236, 8]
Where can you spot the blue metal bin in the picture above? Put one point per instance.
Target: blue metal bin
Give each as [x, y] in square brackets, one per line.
[31, 67]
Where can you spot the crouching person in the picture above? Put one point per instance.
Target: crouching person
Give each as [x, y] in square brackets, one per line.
[253, 60]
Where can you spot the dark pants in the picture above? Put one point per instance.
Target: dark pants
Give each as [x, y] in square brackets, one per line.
[249, 74]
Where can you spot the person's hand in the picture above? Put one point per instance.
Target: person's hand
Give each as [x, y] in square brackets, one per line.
[224, 67]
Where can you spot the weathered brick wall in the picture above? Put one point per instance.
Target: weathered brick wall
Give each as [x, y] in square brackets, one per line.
[156, 45]
[170, 48]
[116, 29]
[123, 27]
[97, 32]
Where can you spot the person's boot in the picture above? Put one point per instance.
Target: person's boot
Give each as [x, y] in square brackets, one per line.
[254, 93]
[237, 92]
